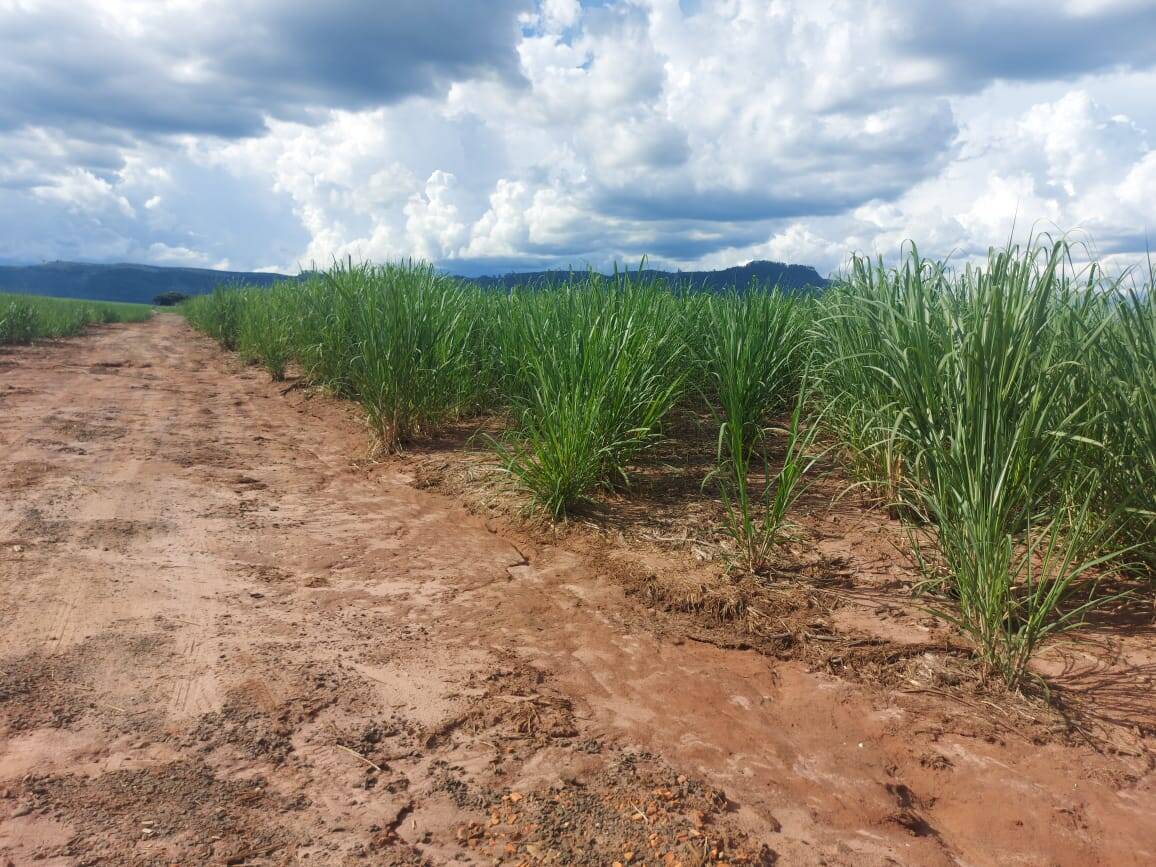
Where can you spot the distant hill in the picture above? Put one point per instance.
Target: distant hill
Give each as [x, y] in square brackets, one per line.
[142, 283]
[793, 277]
[123, 282]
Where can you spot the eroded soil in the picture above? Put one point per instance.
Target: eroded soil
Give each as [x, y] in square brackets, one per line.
[228, 639]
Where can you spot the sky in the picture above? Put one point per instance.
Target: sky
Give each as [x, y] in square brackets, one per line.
[495, 135]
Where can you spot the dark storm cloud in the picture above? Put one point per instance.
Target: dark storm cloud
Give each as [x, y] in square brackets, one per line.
[223, 68]
[977, 42]
[732, 206]
[816, 177]
[363, 53]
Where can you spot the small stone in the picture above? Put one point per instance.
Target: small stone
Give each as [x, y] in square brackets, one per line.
[22, 810]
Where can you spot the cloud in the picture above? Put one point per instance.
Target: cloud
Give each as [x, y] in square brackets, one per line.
[221, 67]
[83, 193]
[1062, 165]
[1027, 40]
[163, 254]
[526, 133]
[120, 209]
[432, 220]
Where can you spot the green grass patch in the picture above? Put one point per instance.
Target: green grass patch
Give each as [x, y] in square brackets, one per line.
[26, 318]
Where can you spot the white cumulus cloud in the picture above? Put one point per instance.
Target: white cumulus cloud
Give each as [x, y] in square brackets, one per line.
[551, 132]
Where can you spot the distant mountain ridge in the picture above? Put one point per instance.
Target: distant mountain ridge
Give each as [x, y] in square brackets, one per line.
[793, 277]
[120, 282]
[142, 283]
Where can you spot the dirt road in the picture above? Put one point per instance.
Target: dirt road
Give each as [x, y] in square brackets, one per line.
[225, 641]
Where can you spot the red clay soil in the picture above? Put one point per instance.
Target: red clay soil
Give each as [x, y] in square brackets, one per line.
[227, 642]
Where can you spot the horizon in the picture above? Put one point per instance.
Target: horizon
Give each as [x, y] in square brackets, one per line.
[646, 266]
[524, 135]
